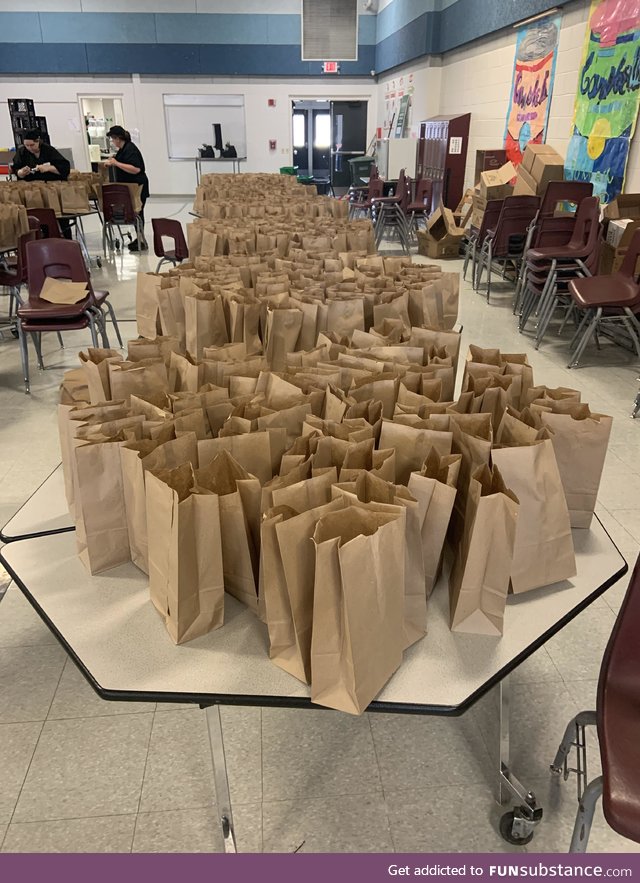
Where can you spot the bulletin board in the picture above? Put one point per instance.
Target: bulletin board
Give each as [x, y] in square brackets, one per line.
[189, 122]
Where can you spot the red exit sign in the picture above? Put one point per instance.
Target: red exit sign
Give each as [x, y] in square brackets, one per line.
[330, 67]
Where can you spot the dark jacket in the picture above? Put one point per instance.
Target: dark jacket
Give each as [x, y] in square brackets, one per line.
[130, 155]
[47, 154]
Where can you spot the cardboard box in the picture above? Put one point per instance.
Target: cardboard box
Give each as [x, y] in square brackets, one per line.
[626, 205]
[531, 151]
[623, 207]
[525, 184]
[487, 160]
[462, 210]
[443, 236]
[615, 230]
[497, 184]
[611, 257]
[547, 167]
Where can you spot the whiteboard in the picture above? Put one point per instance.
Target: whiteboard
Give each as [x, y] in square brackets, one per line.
[189, 123]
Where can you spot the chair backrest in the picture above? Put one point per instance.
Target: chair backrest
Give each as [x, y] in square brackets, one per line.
[628, 267]
[117, 205]
[586, 231]
[21, 253]
[373, 172]
[405, 193]
[58, 258]
[49, 227]
[34, 223]
[564, 191]
[172, 229]
[517, 214]
[490, 218]
[376, 188]
[617, 706]
[424, 192]
[400, 186]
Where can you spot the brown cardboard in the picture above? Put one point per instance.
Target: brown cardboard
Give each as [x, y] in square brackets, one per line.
[525, 184]
[496, 184]
[611, 258]
[467, 199]
[547, 168]
[447, 247]
[531, 151]
[626, 205]
[487, 160]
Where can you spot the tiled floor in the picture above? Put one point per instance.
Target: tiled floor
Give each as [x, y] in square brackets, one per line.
[80, 774]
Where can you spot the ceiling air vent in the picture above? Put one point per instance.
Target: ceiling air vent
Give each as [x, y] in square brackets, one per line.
[329, 30]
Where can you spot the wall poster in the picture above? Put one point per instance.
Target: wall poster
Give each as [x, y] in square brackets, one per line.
[531, 86]
[606, 107]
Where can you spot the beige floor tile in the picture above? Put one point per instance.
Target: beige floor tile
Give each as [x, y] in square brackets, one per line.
[197, 830]
[336, 824]
[105, 834]
[29, 677]
[76, 698]
[86, 768]
[18, 743]
[20, 625]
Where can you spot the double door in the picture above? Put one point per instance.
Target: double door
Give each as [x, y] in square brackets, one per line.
[325, 139]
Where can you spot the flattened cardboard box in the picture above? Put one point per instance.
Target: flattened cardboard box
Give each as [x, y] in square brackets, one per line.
[443, 237]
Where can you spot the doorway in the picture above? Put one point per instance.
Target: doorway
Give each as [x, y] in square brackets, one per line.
[312, 138]
[99, 114]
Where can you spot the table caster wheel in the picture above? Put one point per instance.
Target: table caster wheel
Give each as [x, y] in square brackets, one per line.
[99, 263]
[511, 830]
[14, 332]
[117, 244]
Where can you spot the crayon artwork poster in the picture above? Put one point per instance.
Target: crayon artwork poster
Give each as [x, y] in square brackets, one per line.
[606, 107]
[531, 86]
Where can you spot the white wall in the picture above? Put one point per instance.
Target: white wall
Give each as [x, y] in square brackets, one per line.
[58, 100]
[477, 79]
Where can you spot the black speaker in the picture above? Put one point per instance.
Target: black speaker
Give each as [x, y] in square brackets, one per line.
[217, 134]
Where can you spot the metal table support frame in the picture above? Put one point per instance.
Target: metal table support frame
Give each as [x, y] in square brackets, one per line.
[517, 826]
[235, 163]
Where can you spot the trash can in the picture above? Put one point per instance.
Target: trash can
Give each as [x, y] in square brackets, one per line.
[305, 179]
[288, 170]
[360, 168]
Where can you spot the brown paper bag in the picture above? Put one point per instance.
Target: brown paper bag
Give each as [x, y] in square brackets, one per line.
[185, 554]
[95, 365]
[359, 571]
[543, 552]
[479, 579]
[239, 495]
[101, 525]
[580, 446]
[412, 446]
[147, 309]
[434, 487]
[143, 379]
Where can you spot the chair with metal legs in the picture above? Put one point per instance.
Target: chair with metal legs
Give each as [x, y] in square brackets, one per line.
[617, 719]
[506, 245]
[170, 228]
[58, 259]
[476, 239]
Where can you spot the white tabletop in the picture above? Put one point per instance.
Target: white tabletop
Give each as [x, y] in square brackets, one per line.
[44, 512]
[109, 625]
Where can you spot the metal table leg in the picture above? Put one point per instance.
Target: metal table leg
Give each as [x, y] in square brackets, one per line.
[517, 825]
[223, 798]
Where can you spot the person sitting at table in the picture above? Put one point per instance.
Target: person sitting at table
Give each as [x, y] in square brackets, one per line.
[128, 166]
[35, 160]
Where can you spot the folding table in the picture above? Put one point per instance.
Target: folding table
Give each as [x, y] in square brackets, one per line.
[45, 512]
[111, 630]
[234, 160]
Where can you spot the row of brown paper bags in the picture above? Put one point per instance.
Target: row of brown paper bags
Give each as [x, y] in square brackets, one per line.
[221, 208]
[200, 313]
[202, 537]
[13, 223]
[580, 438]
[403, 390]
[209, 238]
[61, 196]
[410, 444]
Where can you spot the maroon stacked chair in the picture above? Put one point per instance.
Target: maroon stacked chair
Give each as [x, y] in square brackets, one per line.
[118, 212]
[476, 237]
[47, 221]
[171, 229]
[608, 300]
[550, 268]
[505, 244]
[550, 228]
[374, 191]
[617, 719]
[420, 205]
[14, 275]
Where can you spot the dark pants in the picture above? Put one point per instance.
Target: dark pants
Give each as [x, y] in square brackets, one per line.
[65, 228]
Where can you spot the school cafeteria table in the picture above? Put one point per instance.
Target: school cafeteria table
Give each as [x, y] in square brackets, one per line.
[45, 512]
[111, 630]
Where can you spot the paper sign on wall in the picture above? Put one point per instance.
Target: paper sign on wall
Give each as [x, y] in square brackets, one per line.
[455, 145]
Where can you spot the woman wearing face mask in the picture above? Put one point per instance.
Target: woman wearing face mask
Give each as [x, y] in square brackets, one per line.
[35, 160]
[128, 166]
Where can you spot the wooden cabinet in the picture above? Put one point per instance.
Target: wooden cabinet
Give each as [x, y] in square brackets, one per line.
[442, 154]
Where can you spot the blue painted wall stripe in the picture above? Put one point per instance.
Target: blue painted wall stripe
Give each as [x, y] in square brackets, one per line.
[166, 58]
